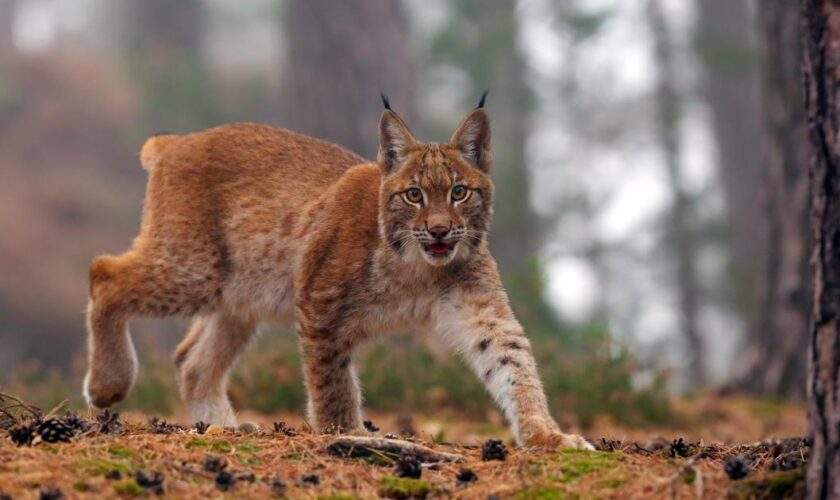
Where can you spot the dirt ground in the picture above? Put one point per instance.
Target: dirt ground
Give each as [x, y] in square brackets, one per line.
[718, 440]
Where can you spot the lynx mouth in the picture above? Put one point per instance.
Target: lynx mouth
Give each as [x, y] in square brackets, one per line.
[439, 249]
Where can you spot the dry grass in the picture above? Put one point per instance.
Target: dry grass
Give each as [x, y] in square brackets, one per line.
[637, 465]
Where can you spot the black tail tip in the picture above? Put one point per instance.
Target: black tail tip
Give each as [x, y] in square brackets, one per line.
[385, 101]
[483, 98]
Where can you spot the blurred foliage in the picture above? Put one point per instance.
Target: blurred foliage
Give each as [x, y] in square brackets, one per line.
[399, 375]
[724, 55]
[585, 374]
[396, 375]
[582, 23]
[179, 98]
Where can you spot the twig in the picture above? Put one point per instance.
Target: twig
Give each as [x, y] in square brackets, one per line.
[55, 410]
[355, 446]
[34, 410]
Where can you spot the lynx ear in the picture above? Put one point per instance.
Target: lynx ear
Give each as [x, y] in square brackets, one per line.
[472, 138]
[394, 139]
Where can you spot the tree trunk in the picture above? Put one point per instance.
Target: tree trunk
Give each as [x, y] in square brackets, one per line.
[166, 30]
[821, 72]
[341, 55]
[778, 365]
[494, 61]
[730, 87]
[680, 231]
[480, 38]
[163, 41]
[7, 11]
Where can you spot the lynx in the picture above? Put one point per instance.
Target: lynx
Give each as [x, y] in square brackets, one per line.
[247, 224]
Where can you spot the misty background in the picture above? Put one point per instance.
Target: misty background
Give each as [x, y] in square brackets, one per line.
[648, 157]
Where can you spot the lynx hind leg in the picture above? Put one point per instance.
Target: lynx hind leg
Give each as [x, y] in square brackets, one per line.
[112, 362]
[121, 287]
[208, 353]
[197, 327]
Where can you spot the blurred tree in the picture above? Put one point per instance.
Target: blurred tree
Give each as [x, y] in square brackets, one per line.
[680, 229]
[341, 55]
[774, 361]
[821, 68]
[481, 39]
[169, 32]
[725, 45]
[7, 11]
[163, 41]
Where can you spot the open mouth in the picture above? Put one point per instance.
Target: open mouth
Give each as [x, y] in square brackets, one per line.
[439, 248]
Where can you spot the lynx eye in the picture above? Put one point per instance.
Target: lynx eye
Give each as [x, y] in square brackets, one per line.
[413, 195]
[459, 193]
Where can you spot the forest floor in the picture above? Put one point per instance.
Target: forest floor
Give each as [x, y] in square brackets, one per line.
[718, 441]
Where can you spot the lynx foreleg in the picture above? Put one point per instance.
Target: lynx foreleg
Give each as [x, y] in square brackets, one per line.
[334, 396]
[481, 326]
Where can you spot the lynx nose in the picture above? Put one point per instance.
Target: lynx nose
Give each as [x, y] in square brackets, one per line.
[438, 232]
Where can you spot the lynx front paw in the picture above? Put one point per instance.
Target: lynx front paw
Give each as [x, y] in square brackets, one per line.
[216, 411]
[102, 391]
[558, 440]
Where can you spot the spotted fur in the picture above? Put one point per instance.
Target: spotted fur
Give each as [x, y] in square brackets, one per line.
[247, 224]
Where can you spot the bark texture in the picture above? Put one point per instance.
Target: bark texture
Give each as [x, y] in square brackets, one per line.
[821, 72]
[774, 360]
[341, 55]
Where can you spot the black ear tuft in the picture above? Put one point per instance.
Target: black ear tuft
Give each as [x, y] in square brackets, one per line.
[385, 101]
[483, 98]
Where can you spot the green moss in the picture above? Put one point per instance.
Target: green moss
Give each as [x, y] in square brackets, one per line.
[248, 446]
[81, 486]
[612, 482]
[219, 446]
[130, 488]
[197, 443]
[783, 484]
[101, 466]
[338, 496]
[249, 460]
[543, 493]
[397, 487]
[578, 463]
[122, 452]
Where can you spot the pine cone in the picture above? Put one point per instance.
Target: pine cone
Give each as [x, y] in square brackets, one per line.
[736, 467]
[77, 423]
[493, 449]
[109, 423]
[152, 482]
[159, 426]
[54, 430]
[408, 466]
[22, 434]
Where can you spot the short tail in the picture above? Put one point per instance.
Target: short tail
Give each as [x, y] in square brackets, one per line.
[153, 148]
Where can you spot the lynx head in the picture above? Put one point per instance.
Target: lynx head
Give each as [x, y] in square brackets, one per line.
[436, 200]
